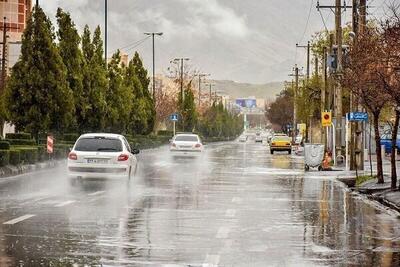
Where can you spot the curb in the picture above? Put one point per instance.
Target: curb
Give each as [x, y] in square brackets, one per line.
[375, 195]
[11, 171]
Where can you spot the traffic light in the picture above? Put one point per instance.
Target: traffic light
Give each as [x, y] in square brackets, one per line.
[326, 118]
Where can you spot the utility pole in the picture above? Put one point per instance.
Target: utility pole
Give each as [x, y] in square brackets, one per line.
[5, 28]
[308, 47]
[338, 98]
[152, 34]
[296, 89]
[201, 75]
[210, 93]
[181, 61]
[323, 92]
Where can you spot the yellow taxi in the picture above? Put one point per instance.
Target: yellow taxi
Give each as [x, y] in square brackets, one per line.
[281, 143]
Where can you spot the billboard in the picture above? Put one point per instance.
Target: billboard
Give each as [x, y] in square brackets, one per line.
[246, 102]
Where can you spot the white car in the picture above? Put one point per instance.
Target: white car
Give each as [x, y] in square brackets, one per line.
[243, 138]
[100, 155]
[186, 143]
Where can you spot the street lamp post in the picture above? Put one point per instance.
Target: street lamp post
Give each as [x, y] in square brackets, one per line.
[105, 29]
[152, 34]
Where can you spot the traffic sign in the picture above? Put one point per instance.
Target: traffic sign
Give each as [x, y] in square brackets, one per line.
[326, 119]
[357, 116]
[50, 144]
[174, 117]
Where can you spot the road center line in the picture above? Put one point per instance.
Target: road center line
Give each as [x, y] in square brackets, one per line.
[62, 204]
[230, 213]
[211, 260]
[223, 232]
[96, 193]
[20, 219]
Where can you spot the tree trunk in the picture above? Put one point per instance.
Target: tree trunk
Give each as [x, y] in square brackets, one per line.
[394, 151]
[379, 167]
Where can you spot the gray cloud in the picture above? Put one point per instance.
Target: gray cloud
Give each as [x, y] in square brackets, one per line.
[241, 40]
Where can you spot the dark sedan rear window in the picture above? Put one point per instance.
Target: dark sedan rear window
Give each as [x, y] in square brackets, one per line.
[100, 144]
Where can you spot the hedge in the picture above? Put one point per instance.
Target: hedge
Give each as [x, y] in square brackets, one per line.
[15, 157]
[70, 137]
[4, 145]
[165, 133]
[18, 136]
[21, 142]
[29, 155]
[4, 157]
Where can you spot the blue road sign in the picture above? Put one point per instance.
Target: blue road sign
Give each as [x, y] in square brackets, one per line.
[357, 116]
[174, 117]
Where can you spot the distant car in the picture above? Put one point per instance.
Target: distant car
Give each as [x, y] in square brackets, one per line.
[100, 155]
[258, 139]
[243, 138]
[281, 143]
[386, 140]
[185, 144]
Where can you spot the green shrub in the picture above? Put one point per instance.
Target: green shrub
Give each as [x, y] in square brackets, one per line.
[70, 137]
[15, 157]
[18, 136]
[29, 155]
[21, 142]
[4, 145]
[4, 157]
[165, 133]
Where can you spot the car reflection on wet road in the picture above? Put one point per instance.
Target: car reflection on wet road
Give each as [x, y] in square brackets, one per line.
[236, 205]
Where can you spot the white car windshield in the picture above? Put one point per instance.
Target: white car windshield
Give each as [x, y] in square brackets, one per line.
[91, 144]
[186, 138]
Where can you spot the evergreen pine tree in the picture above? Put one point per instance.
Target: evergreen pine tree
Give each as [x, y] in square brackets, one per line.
[119, 97]
[141, 73]
[71, 55]
[187, 109]
[37, 97]
[94, 81]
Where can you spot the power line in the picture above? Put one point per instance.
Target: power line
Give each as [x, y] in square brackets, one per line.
[308, 20]
[134, 43]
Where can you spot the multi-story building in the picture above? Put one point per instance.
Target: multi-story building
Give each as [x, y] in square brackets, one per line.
[16, 14]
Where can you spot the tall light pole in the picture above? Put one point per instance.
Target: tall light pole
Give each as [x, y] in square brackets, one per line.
[105, 29]
[152, 34]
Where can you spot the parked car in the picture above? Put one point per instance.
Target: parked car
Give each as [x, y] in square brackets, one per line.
[185, 144]
[281, 143]
[100, 155]
[386, 140]
[258, 139]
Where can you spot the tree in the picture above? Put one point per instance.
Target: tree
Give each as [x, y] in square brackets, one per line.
[37, 97]
[363, 80]
[280, 112]
[68, 45]
[141, 73]
[389, 71]
[138, 117]
[187, 110]
[95, 81]
[119, 97]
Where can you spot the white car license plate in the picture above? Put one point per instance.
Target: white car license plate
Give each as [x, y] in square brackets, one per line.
[97, 161]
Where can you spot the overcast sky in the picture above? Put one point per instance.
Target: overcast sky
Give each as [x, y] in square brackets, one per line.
[242, 40]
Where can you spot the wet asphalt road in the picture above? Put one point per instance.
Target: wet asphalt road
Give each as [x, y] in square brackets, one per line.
[235, 206]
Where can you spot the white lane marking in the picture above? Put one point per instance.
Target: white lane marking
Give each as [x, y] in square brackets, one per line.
[66, 203]
[237, 200]
[223, 232]
[20, 219]
[230, 213]
[211, 261]
[96, 193]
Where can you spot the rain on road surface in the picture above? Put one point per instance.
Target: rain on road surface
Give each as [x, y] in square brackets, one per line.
[236, 206]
